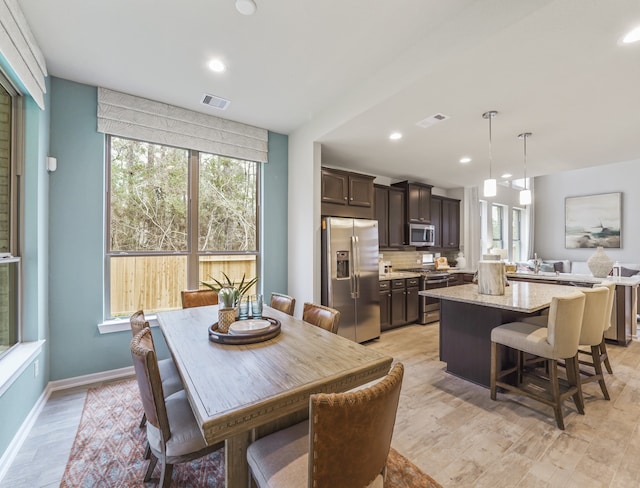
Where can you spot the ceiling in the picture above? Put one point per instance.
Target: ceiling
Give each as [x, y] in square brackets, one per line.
[551, 67]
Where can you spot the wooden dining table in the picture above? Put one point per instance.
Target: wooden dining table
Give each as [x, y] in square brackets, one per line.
[236, 391]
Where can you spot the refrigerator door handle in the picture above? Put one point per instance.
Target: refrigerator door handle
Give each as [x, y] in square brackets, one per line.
[357, 266]
[352, 271]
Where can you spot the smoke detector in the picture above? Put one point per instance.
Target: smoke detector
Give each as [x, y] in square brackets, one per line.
[215, 102]
[432, 120]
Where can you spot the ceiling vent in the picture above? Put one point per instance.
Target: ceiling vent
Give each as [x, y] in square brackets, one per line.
[215, 102]
[432, 120]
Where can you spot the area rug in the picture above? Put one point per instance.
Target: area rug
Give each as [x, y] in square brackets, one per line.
[108, 450]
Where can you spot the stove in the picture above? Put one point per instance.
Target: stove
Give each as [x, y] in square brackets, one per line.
[430, 278]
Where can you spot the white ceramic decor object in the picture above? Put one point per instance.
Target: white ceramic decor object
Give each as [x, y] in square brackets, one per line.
[600, 264]
[461, 261]
[491, 277]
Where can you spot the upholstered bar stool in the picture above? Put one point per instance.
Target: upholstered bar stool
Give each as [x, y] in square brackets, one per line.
[282, 302]
[604, 356]
[596, 317]
[326, 317]
[558, 340]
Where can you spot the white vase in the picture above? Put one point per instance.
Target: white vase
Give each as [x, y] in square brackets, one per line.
[600, 264]
[461, 262]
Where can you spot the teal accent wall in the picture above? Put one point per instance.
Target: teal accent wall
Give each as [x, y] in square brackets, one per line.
[274, 215]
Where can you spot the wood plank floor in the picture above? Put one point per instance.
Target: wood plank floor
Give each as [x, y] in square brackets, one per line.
[447, 426]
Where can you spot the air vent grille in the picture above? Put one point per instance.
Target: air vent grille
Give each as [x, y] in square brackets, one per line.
[432, 120]
[215, 102]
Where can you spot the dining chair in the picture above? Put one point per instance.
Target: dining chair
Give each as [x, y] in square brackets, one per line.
[345, 442]
[325, 317]
[558, 340]
[595, 319]
[172, 431]
[171, 381]
[282, 302]
[198, 298]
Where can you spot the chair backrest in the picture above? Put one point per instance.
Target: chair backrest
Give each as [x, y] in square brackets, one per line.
[284, 303]
[145, 363]
[612, 293]
[324, 317]
[198, 298]
[356, 426]
[594, 318]
[138, 322]
[564, 324]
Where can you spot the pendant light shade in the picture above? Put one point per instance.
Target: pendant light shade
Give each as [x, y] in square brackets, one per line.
[525, 195]
[490, 188]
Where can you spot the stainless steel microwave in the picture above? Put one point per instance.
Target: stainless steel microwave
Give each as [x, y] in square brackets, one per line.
[421, 235]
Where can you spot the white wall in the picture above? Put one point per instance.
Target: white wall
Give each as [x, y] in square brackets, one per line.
[549, 196]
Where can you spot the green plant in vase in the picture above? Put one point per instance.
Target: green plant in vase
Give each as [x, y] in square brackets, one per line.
[229, 292]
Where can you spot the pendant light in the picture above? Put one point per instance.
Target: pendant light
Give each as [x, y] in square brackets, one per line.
[490, 188]
[525, 195]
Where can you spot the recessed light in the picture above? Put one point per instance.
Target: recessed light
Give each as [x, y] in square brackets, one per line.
[394, 136]
[217, 65]
[465, 160]
[246, 7]
[507, 175]
[632, 36]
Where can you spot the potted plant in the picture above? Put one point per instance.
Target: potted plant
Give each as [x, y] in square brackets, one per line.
[229, 292]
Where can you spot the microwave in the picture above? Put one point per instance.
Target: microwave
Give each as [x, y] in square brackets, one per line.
[422, 235]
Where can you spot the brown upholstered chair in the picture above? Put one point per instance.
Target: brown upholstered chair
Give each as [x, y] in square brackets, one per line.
[172, 431]
[284, 303]
[325, 317]
[345, 443]
[171, 381]
[198, 298]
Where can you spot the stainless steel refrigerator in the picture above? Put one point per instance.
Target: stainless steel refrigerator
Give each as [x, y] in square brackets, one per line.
[350, 275]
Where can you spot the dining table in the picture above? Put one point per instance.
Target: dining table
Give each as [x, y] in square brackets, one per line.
[238, 391]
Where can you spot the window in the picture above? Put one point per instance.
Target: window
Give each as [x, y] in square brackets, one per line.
[176, 217]
[497, 226]
[516, 234]
[11, 131]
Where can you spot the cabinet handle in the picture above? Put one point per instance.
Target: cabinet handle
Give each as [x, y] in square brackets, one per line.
[345, 198]
[351, 198]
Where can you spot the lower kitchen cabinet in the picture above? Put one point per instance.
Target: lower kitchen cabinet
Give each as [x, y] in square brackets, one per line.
[412, 300]
[385, 305]
[399, 302]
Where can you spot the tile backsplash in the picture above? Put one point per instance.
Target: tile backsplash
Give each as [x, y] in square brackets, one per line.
[412, 259]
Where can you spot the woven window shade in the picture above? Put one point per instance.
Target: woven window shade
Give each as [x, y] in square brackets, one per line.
[20, 51]
[124, 115]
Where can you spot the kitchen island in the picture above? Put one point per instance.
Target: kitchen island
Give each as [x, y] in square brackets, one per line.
[467, 318]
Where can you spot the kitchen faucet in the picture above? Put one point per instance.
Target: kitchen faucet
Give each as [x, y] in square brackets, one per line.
[536, 263]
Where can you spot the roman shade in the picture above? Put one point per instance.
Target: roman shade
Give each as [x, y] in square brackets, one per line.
[20, 51]
[124, 115]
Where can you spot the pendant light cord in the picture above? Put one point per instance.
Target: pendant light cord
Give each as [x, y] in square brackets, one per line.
[490, 146]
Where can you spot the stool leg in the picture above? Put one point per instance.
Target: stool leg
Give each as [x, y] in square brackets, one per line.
[555, 391]
[494, 368]
[597, 365]
[605, 355]
[573, 375]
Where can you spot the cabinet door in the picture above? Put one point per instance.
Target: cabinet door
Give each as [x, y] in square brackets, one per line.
[419, 204]
[335, 186]
[396, 217]
[412, 305]
[436, 220]
[381, 212]
[398, 305]
[451, 224]
[361, 191]
[425, 204]
[385, 309]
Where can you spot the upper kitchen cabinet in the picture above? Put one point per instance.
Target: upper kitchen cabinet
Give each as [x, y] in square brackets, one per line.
[418, 201]
[445, 216]
[346, 194]
[389, 212]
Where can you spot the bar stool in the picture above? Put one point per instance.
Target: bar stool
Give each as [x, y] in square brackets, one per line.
[558, 340]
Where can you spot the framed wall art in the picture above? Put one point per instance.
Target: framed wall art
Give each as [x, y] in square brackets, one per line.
[593, 220]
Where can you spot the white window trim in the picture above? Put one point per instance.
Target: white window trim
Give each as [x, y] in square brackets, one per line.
[13, 364]
[119, 325]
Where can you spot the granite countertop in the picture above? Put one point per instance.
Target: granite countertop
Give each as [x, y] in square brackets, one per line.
[520, 296]
[398, 275]
[581, 278]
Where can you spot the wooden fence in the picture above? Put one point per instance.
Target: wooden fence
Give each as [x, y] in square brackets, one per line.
[153, 283]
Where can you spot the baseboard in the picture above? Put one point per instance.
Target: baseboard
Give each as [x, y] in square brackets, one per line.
[16, 443]
[18, 439]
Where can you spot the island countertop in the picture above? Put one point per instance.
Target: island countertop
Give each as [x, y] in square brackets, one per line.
[520, 296]
[577, 278]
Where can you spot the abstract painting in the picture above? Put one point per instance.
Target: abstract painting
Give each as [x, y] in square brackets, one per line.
[593, 220]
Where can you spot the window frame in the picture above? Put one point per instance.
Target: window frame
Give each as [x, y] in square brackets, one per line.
[192, 253]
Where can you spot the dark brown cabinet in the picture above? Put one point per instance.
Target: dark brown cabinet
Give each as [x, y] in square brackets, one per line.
[399, 302]
[418, 201]
[389, 212]
[411, 302]
[445, 216]
[385, 305]
[345, 194]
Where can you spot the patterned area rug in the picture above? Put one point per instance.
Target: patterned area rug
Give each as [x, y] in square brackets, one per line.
[109, 447]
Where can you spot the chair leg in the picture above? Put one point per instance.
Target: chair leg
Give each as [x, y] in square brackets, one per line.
[555, 391]
[152, 464]
[605, 355]
[147, 451]
[597, 365]
[573, 375]
[494, 368]
[143, 421]
[165, 476]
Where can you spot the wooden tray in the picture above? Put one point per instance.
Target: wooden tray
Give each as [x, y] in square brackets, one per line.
[231, 339]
